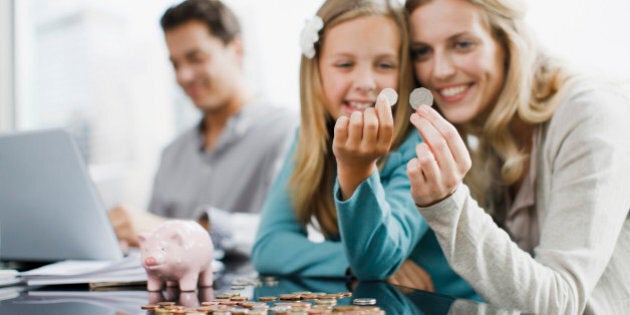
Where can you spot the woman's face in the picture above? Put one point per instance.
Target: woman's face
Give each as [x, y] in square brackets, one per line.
[457, 58]
[358, 59]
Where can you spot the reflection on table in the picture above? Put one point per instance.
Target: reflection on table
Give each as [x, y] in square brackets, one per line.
[242, 280]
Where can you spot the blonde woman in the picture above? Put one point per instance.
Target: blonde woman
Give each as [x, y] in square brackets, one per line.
[346, 172]
[534, 211]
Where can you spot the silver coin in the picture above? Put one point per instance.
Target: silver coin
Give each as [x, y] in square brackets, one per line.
[364, 301]
[420, 96]
[391, 95]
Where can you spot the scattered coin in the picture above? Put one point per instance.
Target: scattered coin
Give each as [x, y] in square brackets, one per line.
[150, 307]
[364, 301]
[165, 303]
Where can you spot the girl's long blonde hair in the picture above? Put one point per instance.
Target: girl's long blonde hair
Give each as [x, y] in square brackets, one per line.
[534, 87]
[311, 184]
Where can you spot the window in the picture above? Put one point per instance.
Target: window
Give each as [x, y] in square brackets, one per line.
[100, 69]
[7, 65]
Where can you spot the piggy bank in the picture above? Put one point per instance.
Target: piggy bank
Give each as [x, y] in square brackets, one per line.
[177, 252]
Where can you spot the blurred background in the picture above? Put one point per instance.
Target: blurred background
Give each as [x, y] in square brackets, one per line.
[100, 69]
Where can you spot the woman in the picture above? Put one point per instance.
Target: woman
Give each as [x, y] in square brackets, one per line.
[522, 147]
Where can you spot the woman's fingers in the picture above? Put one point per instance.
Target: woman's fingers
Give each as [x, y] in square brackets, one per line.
[442, 159]
[427, 163]
[452, 139]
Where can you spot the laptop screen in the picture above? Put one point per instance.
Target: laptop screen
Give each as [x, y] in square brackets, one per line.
[49, 208]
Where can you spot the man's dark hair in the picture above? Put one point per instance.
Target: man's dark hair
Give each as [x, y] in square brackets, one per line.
[219, 19]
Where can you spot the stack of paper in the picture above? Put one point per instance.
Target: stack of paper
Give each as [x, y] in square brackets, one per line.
[128, 270]
[9, 277]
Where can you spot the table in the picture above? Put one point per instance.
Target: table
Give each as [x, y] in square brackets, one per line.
[239, 277]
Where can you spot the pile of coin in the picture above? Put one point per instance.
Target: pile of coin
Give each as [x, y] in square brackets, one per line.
[304, 302]
[288, 304]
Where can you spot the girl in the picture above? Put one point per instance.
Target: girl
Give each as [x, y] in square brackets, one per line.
[549, 163]
[345, 173]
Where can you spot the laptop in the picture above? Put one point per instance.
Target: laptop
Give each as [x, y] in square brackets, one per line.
[49, 207]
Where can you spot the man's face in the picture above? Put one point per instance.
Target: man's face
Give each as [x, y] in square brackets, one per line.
[207, 69]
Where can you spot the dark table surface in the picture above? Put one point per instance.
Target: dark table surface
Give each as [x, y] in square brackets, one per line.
[240, 278]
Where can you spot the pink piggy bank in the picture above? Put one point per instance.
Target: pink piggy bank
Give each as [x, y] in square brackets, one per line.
[177, 252]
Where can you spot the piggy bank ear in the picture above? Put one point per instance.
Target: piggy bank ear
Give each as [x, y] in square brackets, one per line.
[177, 238]
[142, 238]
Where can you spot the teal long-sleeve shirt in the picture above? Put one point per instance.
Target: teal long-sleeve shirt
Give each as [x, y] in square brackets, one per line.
[379, 229]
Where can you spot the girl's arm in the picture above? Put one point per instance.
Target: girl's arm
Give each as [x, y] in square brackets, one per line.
[282, 246]
[379, 224]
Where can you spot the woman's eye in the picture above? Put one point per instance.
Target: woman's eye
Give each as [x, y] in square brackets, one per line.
[464, 45]
[419, 53]
[386, 65]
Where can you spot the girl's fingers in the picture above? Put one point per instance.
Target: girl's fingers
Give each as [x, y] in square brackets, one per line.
[341, 130]
[370, 128]
[386, 120]
[355, 130]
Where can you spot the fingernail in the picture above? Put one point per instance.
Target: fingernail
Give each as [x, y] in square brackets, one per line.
[414, 117]
[424, 109]
[413, 164]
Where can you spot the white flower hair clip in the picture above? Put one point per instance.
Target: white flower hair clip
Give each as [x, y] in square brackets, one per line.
[310, 36]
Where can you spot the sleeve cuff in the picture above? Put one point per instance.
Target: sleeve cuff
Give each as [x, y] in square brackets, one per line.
[369, 182]
[450, 205]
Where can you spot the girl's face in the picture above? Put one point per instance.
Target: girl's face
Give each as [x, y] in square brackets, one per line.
[457, 58]
[358, 59]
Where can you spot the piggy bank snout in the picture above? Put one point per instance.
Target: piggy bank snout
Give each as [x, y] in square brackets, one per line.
[151, 261]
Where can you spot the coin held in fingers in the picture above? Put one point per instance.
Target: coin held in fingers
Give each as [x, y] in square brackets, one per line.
[391, 95]
[420, 96]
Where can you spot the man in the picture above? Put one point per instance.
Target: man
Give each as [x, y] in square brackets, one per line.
[217, 173]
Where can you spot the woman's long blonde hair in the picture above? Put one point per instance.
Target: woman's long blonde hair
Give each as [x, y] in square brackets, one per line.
[534, 87]
[311, 184]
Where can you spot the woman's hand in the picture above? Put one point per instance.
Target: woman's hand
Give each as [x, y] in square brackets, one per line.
[411, 275]
[442, 159]
[359, 141]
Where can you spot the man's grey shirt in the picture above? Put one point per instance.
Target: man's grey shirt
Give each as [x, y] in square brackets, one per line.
[234, 176]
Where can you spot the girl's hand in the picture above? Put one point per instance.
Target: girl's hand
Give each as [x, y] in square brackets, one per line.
[359, 141]
[411, 275]
[442, 159]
